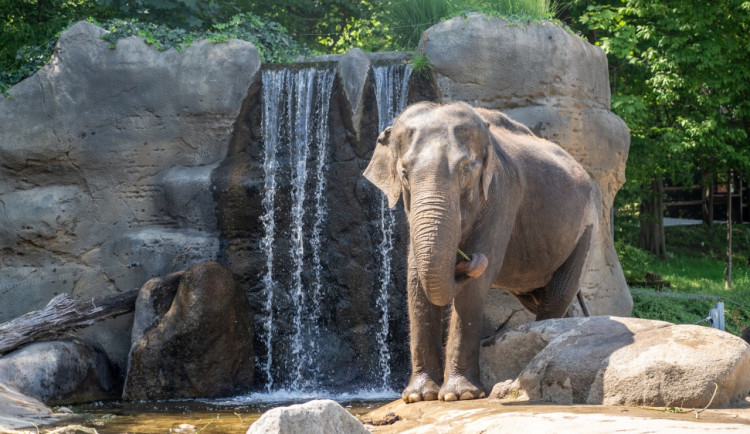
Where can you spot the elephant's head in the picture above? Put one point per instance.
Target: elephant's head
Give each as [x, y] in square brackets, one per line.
[441, 160]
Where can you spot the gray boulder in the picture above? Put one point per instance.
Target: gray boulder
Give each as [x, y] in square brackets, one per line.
[617, 361]
[61, 372]
[315, 417]
[557, 84]
[200, 348]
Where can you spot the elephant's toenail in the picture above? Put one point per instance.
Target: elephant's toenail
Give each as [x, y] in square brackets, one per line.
[414, 397]
[450, 397]
[431, 396]
[467, 395]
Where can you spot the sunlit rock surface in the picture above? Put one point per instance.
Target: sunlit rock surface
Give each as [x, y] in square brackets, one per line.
[315, 417]
[617, 361]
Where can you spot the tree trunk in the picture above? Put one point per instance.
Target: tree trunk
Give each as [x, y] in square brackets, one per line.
[708, 197]
[728, 282]
[61, 314]
[651, 237]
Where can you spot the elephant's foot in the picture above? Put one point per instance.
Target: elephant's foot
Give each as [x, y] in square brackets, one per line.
[420, 388]
[459, 387]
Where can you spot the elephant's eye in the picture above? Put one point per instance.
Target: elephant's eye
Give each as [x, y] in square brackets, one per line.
[404, 175]
[465, 169]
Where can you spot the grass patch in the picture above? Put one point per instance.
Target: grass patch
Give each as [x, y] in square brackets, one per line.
[407, 19]
[695, 265]
[420, 65]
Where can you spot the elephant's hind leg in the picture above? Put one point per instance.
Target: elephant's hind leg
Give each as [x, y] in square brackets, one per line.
[530, 300]
[562, 288]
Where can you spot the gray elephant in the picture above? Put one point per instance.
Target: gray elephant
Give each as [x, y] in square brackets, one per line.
[476, 181]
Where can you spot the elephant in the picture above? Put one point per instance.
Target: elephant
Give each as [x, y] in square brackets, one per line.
[473, 180]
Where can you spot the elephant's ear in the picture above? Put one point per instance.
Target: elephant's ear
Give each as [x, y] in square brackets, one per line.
[382, 168]
[491, 167]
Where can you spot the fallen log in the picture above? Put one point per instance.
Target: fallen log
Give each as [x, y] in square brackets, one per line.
[63, 313]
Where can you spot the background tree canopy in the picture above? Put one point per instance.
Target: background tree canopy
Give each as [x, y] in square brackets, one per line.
[678, 68]
[680, 80]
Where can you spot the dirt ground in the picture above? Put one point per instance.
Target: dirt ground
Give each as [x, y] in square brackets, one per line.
[495, 416]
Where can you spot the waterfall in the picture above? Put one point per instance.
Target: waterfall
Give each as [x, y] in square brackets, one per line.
[296, 134]
[295, 121]
[391, 82]
[273, 84]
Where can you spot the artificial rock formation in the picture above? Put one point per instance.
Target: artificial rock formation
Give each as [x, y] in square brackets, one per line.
[119, 165]
[201, 347]
[557, 84]
[106, 156]
[617, 361]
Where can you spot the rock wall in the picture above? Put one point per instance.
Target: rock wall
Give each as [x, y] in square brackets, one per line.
[119, 165]
[105, 162]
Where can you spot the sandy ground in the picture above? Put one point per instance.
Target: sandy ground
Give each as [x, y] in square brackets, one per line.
[495, 416]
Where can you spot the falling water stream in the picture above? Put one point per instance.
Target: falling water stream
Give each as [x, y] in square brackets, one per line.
[391, 83]
[295, 116]
[295, 136]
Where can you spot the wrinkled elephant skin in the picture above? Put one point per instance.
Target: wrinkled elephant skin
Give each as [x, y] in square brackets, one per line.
[523, 208]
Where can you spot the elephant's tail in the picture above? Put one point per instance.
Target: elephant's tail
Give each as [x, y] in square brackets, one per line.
[585, 310]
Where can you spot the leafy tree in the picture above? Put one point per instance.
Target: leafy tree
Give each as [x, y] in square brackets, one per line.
[680, 81]
[189, 14]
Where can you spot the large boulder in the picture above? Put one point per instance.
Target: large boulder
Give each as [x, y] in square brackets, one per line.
[107, 155]
[617, 361]
[558, 85]
[61, 372]
[201, 347]
[322, 416]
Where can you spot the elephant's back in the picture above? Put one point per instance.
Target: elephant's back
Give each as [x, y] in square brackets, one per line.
[555, 207]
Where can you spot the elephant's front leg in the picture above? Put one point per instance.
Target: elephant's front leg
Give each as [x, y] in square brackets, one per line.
[425, 321]
[461, 377]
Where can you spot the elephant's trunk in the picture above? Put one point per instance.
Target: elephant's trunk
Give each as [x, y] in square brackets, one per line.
[435, 234]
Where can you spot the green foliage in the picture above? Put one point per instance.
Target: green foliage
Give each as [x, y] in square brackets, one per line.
[694, 266]
[679, 78]
[407, 19]
[158, 36]
[331, 26]
[30, 29]
[635, 262]
[420, 64]
[271, 40]
[188, 14]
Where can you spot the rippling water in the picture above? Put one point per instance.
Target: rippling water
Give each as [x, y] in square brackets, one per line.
[231, 415]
